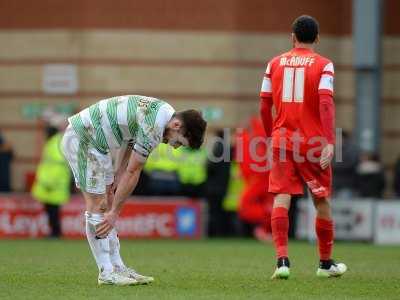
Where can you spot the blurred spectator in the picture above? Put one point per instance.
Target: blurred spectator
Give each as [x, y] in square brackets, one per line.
[234, 226]
[52, 181]
[142, 185]
[396, 179]
[161, 169]
[218, 175]
[370, 176]
[255, 202]
[6, 156]
[192, 171]
[344, 173]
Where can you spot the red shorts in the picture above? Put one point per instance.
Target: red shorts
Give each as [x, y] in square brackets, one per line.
[288, 175]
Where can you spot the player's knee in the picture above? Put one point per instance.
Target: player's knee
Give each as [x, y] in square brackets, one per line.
[323, 207]
[95, 203]
[321, 202]
[282, 200]
[103, 206]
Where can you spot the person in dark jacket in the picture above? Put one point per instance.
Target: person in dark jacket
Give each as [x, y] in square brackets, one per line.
[344, 172]
[396, 179]
[218, 174]
[370, 176]
[6, 156]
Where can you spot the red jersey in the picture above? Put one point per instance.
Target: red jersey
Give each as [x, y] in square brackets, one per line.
[295, 80]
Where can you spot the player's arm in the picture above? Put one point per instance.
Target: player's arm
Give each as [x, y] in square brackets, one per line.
[266, 102]
[145, 143]
[127, 184]
[121, 162]
[266, 114]
[122, 157]
[131, 174]
[128, 181]
[327, 113]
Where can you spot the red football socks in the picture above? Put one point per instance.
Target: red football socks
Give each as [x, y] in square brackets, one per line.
[280, 228]
[325, 234]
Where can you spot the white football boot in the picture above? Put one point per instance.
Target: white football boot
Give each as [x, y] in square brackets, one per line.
[282, 270]
[131, 273]
[114, 278]
[335, 270]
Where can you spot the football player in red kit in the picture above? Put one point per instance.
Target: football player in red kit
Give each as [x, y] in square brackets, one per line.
[255, 204]
[299, 84]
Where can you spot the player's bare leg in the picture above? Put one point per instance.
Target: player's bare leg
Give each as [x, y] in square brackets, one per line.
[115, 256]
[280, 228]
[96, 205]
[324, 229]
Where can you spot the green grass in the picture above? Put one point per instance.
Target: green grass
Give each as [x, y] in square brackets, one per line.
[215, 269]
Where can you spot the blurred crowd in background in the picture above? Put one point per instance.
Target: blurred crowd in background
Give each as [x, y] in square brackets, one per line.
[235, 192]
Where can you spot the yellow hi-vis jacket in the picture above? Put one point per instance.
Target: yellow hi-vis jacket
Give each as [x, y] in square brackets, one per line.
[163, 158]
[192, 167]
[235, 188]
[52, 181]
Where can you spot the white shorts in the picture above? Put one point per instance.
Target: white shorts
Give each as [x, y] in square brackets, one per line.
[93, 171]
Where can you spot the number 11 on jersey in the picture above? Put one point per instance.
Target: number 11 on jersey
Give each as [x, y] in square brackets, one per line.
[293, 85]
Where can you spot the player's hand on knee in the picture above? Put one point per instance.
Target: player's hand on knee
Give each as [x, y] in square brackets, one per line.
[104, 228]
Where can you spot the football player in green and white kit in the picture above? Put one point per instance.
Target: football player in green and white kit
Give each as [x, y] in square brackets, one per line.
[126, 128]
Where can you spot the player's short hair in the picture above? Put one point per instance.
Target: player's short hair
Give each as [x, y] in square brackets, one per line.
[306, 29]
[194, 127]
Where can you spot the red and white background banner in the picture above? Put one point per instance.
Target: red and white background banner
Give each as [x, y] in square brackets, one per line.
[387, 222]
[155, 218]
[355, 220]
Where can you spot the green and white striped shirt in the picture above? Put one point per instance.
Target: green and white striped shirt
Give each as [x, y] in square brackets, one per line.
[136, 119]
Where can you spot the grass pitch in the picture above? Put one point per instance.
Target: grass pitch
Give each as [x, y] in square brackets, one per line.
[214, 269]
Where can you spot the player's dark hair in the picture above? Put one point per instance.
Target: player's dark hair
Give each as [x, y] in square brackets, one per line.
[306, 29]
[194, 127]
